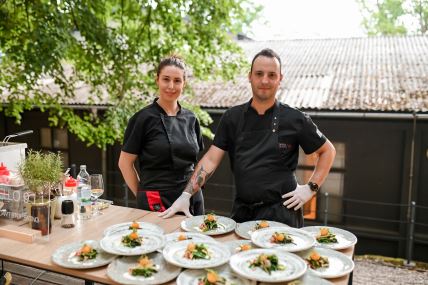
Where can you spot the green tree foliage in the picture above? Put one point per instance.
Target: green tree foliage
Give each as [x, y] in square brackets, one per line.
[53, 52]
[395, 17]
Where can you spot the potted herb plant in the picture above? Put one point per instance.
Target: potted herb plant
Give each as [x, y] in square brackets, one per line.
[41, 172]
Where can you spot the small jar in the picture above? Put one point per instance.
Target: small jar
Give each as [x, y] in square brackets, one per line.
[67, 210]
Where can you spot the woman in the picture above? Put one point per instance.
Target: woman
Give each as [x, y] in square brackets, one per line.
[166, 139]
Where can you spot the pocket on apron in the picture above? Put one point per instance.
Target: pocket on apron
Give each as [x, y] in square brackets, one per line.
[150, 200]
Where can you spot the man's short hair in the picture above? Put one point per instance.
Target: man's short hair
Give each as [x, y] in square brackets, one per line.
[267, 52]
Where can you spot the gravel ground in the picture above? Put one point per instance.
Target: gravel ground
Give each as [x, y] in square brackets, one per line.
[377, 272]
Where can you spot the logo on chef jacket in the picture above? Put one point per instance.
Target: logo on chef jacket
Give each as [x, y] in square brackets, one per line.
[286, 146]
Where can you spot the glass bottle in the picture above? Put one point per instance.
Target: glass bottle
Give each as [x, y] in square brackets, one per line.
[84, 193]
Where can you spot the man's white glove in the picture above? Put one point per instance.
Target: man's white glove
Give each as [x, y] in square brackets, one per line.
[182, 204]
[298, 197]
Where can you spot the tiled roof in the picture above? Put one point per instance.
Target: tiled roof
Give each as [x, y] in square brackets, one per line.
[387, 74]
[358, 74]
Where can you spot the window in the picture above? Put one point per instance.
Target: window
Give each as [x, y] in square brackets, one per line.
[55, 139]
[333, 185]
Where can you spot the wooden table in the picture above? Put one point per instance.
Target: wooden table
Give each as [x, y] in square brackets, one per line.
[38, 254]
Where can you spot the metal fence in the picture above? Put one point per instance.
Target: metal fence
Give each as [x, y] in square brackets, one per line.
[409, 220]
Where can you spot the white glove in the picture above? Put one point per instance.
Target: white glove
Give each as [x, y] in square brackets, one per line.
[298, 197]
[182, 204]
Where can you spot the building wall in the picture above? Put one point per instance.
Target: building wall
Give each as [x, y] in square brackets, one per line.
[377, 169]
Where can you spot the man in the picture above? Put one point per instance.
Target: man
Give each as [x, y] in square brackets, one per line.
[262, 138]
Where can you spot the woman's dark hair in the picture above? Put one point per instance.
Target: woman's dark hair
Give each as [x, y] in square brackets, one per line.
[173, 60]
[267, 52]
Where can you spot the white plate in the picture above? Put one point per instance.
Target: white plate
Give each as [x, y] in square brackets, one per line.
[192, 224]
[152, 241]
[65, 256]
[302, 240]
[307, 279]
[125, 226]
[174, 253]
[245, 229]
[344, 238]
[195, 237]
[118, 270]
[294, 265]
[234, 245]
[340, 264]
[192, 276]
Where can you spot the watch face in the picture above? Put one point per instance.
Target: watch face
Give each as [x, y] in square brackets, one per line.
[313, 186]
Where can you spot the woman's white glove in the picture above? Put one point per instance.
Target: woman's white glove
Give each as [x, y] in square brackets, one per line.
[298, 197]
[182, 204]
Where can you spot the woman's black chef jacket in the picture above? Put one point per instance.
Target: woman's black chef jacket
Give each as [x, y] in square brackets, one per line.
[167, 149]
[263, 151]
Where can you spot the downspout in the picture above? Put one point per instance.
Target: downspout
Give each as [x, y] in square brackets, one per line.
[412, 161]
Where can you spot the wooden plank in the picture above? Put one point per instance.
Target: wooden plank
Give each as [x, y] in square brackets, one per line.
[14, 232]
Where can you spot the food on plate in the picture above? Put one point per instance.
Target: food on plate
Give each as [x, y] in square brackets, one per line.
[183, 237]
[261, 225]
[213, 278]
[134, 226]
[145, 267]
[196, 251]
[86, 252]
[244, 247]
[267, 263]
[210, 223]
[281, 238]
[316, 261]
[326, 236]
[132, 240]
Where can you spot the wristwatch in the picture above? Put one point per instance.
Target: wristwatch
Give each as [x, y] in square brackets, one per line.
[313, 186]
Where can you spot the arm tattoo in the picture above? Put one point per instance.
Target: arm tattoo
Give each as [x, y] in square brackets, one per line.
[202, 177]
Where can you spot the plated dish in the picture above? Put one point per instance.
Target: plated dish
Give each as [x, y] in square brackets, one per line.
[127, 226]
[218, 275]
[331, 237]
[82, 255]
[132, 242]
[268, 265]
[122, 270]
[191, 236]
[196, 255]
[307, 279]
[208, 224]
[236, 246]
[327, 263]
[245, 229]
[285, 238]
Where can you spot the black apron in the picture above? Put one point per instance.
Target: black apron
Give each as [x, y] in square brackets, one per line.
[183, 146]
[261, 175]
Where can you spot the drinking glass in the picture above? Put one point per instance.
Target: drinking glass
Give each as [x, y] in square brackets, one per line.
[97, 189]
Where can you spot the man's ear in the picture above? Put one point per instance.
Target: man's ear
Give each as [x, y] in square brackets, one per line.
[249, 76]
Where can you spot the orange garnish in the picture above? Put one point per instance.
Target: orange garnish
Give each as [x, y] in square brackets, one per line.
[323, 231]
[245, 247]
[314, 256]
[86, 249]
[279, 237]
[212, 277]
[182, 237]
[210, 217]
[135, 225]
[133, 235]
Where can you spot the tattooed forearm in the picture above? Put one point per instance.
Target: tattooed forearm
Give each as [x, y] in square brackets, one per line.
[202, 177]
